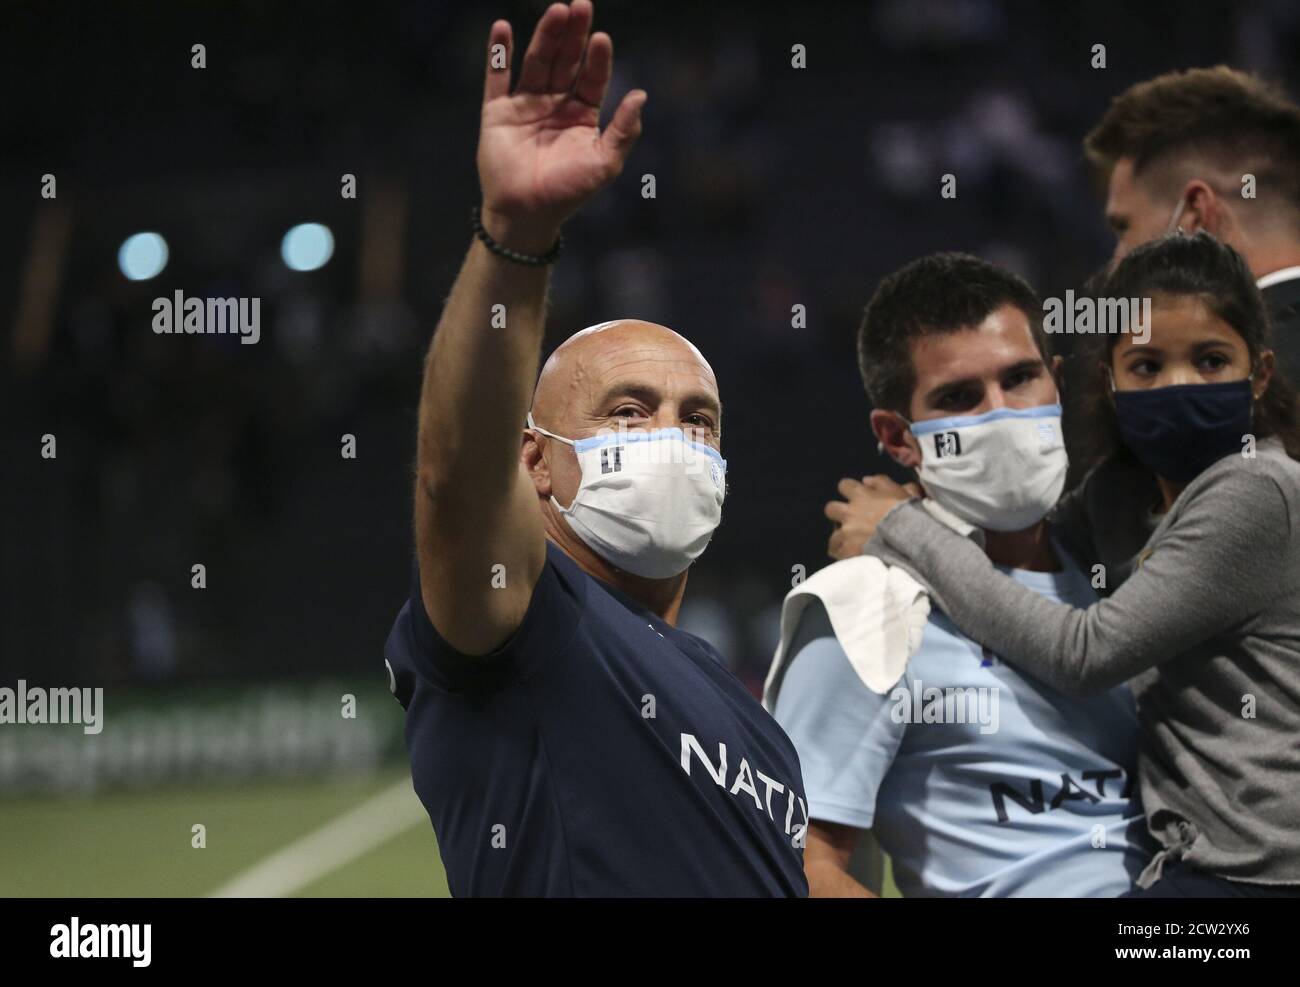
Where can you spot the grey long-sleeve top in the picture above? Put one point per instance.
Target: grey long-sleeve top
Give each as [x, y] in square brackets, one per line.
[1204, 622]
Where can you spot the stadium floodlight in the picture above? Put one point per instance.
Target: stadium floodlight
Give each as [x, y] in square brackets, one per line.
[307, 247]
[142, 256]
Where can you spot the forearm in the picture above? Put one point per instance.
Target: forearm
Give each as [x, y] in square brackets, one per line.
[1076, 651]
[479, 375]
[826, 856]
[540, 156]
[474, 505]
[1208, 571]
[826, 880]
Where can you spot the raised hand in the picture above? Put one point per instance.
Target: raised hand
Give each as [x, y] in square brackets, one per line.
[541, 154]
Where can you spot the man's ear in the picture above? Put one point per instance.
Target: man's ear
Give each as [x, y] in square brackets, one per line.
[1204, 210]
[532, 460]
[895, 439]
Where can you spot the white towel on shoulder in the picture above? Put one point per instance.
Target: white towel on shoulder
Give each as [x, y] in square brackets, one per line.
[878, 613]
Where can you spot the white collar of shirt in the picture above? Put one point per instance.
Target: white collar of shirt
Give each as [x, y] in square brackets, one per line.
[1277, 277]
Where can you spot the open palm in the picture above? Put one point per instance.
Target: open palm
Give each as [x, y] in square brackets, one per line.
[541, 153]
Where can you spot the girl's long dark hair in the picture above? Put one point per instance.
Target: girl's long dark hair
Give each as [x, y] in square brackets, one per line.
[1175, 266]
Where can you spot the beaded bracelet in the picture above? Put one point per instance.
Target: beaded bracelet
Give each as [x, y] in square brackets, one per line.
[532, 260]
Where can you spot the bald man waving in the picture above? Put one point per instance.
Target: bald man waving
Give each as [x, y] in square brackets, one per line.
[565, 737]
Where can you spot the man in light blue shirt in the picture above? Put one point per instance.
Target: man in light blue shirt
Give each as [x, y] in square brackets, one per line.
[975, 779]
[1031, 795]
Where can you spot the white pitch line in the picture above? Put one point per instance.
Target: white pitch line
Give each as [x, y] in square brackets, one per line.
[340, 841]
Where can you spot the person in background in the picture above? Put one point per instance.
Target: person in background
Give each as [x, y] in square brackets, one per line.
[1210, 149]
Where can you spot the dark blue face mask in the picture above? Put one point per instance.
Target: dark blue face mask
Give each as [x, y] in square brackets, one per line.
[1176, 432]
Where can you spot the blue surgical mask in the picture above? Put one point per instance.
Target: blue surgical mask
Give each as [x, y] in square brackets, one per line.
[1178, 431]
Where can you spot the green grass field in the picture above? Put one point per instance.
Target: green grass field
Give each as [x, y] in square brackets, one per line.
[138, 844]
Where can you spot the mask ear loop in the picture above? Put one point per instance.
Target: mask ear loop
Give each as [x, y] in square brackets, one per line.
[1253, 399]
[1177, 216]
[880, 446]
[558, 438]
[1110, 379]
[622, 431]
[550, 435]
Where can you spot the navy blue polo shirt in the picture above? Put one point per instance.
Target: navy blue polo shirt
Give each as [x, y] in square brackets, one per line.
[599, 752]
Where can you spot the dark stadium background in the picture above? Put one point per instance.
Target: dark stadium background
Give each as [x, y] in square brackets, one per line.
[776, 187]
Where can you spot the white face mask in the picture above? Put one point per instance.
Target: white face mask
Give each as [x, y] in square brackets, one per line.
[648, 502]
[1001, 471]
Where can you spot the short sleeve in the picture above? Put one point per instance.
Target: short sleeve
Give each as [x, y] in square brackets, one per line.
[843, 732]
[415, 649]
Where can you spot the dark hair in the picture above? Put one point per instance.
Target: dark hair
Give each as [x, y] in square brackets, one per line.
[933, 295]
[1179, 265]
[1234, 118]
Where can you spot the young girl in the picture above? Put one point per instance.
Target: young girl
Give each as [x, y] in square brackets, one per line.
[1190, 526]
